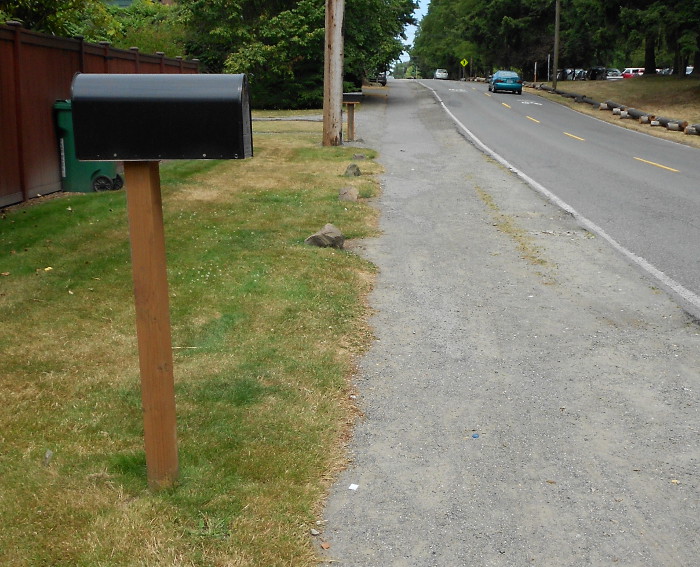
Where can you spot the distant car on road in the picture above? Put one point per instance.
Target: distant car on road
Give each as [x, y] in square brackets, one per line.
[506, 81]
[440, 74]
[379, 77]
[613, 75]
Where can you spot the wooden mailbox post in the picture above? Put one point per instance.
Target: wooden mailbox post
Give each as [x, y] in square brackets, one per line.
[142, 119]
[350, 100]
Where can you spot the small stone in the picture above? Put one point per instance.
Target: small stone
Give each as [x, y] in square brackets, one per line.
[352, 170]
[328, 237]
[314, 532]
[348, 194]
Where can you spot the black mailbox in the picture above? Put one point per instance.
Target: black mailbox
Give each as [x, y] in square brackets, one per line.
[352, 97]
[153, 117]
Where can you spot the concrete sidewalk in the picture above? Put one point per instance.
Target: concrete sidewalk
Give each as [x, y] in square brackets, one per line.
[530, 399]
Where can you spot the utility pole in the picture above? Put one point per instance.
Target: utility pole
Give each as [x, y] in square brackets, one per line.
[557, 10]
[333, 74]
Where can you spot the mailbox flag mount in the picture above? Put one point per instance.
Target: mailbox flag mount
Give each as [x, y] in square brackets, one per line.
[139, 117]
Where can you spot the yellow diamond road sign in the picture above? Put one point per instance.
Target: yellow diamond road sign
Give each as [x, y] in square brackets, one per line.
[464, 62]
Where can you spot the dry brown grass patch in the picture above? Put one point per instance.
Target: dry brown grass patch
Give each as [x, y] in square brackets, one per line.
[670, 97]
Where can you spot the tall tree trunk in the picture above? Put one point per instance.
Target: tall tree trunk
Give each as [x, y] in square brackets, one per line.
[650, 54]
[678, 60]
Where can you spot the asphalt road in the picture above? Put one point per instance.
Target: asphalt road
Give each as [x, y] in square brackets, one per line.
[530, 398]
[643, 192]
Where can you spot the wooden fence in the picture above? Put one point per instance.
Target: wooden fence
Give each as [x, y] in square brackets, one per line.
[35, 71]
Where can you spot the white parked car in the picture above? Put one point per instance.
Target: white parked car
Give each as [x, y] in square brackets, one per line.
[440, 74]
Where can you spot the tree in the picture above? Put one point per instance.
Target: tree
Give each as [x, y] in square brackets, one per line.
[668, 26]
[280, 43]
[373, 33]
[439, 42]
[150, 26]
[590, 33]
[286, 69]
[68, 18]
[681, 26]
[212, 30]
[494, 33]
[515, 33]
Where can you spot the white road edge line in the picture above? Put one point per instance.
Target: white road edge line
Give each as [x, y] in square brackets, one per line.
[654, 272]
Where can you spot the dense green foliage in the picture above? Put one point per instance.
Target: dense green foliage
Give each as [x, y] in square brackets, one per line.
[518, 33]
[146, 24]
[150, 26]
[89, 18]
[278, 43]
[405, 70]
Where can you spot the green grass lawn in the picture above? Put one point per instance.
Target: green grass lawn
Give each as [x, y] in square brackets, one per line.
[265, 333]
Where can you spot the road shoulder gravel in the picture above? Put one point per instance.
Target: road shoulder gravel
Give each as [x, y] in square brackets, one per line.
[531, 398]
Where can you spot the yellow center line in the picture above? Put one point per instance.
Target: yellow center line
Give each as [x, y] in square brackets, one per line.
[657, 165]
[506, 105]
[575, 137]
[533, 119]
[487, 94]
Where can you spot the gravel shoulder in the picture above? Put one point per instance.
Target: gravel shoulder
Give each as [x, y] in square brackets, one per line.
[531, 398]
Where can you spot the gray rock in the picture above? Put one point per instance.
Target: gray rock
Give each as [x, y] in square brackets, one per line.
[353, 171]
[328, 237]
[348, 194]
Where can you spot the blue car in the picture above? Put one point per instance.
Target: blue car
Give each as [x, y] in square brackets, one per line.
[506, 81]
